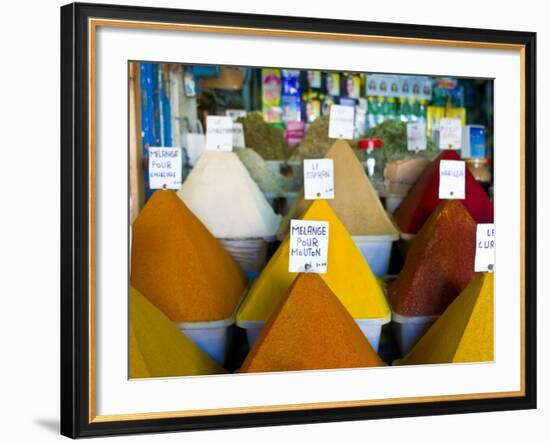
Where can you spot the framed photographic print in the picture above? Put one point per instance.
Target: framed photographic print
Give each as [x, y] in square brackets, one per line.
[278, 220]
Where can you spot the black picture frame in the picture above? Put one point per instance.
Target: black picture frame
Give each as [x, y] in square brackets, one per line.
[75, 221]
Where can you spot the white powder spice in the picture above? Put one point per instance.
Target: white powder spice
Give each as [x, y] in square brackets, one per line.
[221, 193]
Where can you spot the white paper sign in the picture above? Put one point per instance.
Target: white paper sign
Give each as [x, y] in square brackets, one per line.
[308, 246]
[195, 146]
[341, 122]
[318, 179]
[416, 136]
[450, 133]
[485, 248]
[238, 136]
[219, 133]
[165, 165]
[452, 182]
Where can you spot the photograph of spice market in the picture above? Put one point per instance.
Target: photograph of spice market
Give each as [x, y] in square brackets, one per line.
[287, 220]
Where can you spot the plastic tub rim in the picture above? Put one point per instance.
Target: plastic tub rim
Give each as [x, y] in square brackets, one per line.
[407, 236]
[268, 238]
[359, 321]
[402, 319]
[389, 237]
[185, 325]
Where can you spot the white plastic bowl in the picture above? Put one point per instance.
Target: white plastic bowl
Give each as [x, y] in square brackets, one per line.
[209, 336]
[371, 328]
[392, 202]
[250, 253]
[377, 251]
[409, 329]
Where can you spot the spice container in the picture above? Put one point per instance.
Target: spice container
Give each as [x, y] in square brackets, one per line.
[423, 198]
[157, 348]
[464, 333]
[185, 272]
[358, 207]
[348, 276]
[221, 193]
[310, 329]
[438, 265]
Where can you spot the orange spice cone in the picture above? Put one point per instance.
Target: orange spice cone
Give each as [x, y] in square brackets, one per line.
[179, 266]
[310, 330]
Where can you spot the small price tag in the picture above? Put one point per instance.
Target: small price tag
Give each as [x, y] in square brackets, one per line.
[219, 133]
[235, 113]
[165, 164]
[450, 133]
[238, 136]
[195, 146]
[318, 179]
[341, 122]
[485, 248]
[452, 183]
[308, 246]
[416, 136]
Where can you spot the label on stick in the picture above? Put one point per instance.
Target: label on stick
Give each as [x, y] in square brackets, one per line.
[238, 136]
[308, 246]
[452, 180]
[318, 179]
[416, 136]
[450, 133]
[195, 145]
[341, 122]
[165, 164]
[219, 133]
[485, 248]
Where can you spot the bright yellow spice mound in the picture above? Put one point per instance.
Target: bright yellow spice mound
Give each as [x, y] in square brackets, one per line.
[179, 266]
[310, 330]
[158, 348]
[348, 276]
[465, 332]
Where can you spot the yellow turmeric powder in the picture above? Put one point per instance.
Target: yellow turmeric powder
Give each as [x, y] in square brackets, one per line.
[158, 348]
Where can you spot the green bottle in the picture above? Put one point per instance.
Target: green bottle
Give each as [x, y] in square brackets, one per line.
[371, 114]
[403, 109]
[389, 111]
[380, 110]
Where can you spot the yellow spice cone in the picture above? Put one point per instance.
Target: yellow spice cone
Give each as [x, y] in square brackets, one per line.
[464, 333]
[355, 200]
[348, 276]
[310, 330]
[158, 348]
